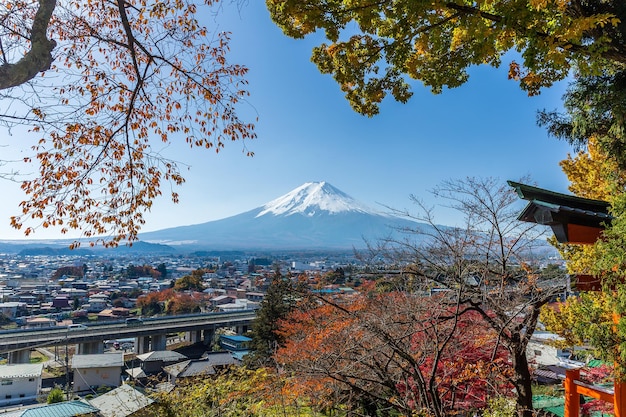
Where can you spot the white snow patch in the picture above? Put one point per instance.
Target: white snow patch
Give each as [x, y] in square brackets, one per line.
[312, 197]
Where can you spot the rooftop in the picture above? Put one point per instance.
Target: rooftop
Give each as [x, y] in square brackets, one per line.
[21, 370]
[102, 360]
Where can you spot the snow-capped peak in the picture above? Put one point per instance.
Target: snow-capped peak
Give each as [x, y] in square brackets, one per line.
[313, 198]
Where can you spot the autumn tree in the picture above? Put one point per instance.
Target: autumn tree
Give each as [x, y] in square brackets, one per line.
[72, 271]
[236, 392]
[488, 260]
[152, 303]
[135, 271]
[373, 46]
[390, 353]
[191, 282]
[182, 304]
[594, 173]
[104, 88]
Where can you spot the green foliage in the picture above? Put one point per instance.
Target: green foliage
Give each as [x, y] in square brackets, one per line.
[133, 271]
[373, 46]
[56, 395]
[238, 392]
[594, 108]
[280, 298]
[500, 407]
[588, 320]
[162, 268]
[191, 282]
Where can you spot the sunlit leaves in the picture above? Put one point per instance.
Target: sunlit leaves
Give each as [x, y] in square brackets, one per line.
[435, 42]
[127, 76]
[398, 351]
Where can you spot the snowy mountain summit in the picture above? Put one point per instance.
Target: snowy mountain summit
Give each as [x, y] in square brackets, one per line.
[315, 215]
[314, 198]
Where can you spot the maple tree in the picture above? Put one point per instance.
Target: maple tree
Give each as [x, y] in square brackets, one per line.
[487, 261]
[372, 46]
[592, 173]
[106, 87]
[168, 301]
[384, 351]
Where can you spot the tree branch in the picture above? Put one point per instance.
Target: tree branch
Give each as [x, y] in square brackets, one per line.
[39, 58]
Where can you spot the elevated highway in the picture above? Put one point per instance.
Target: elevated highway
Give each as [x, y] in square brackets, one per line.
[94, 334]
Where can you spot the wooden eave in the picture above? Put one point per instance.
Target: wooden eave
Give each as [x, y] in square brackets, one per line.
[572, 219]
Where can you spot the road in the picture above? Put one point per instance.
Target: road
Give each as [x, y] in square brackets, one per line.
[11, 340]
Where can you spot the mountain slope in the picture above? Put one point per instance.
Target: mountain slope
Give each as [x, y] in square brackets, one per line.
[315, 215]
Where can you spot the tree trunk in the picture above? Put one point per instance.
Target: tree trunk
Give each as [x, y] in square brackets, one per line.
[523, 384]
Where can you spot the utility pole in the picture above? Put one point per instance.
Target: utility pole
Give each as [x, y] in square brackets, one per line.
[67, 367]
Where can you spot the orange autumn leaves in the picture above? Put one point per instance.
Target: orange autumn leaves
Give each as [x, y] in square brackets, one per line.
[408, 352]
[130, 80]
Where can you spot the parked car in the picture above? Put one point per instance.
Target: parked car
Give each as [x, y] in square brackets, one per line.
[134, 321]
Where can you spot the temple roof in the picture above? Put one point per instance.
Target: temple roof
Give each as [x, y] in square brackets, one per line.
[572, 219]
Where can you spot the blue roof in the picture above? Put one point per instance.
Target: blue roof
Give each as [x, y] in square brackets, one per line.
[236, 338]
[64, 409]
[240, 354]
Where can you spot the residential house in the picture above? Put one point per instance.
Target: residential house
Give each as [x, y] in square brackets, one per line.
[255, 296]
[12, 309]
[238, 305]
[221, 300]
[540, 350]
[234, 342]
[40, 322]
[113, 314]
[124, 401]
[20, 382]
[93, 371]
[23, 297]
[209, 364]
[62, 303]
[97, 303]
[154, 362]
[237, 345]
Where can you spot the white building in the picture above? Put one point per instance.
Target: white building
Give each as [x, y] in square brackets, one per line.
[11, 308]
[20, 382]
[93, 371]
[540, 350]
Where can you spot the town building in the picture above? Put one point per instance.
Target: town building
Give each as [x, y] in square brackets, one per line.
[97, 370]
[20, 383]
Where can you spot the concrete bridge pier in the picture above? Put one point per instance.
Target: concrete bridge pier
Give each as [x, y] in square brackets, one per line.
[142, 344]
[194, 336]
[241, 329]
[19, 356]
[158, 342]
[90, 348]
[208, 335]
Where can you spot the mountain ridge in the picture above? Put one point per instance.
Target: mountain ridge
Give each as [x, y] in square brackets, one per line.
[315, 215]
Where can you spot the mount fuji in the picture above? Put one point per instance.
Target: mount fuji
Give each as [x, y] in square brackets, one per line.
[315, 215]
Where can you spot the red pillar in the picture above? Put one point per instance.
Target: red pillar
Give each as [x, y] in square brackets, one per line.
[572, 398]
[619, 399]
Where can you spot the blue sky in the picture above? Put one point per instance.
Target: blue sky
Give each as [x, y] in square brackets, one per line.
[308, 132]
